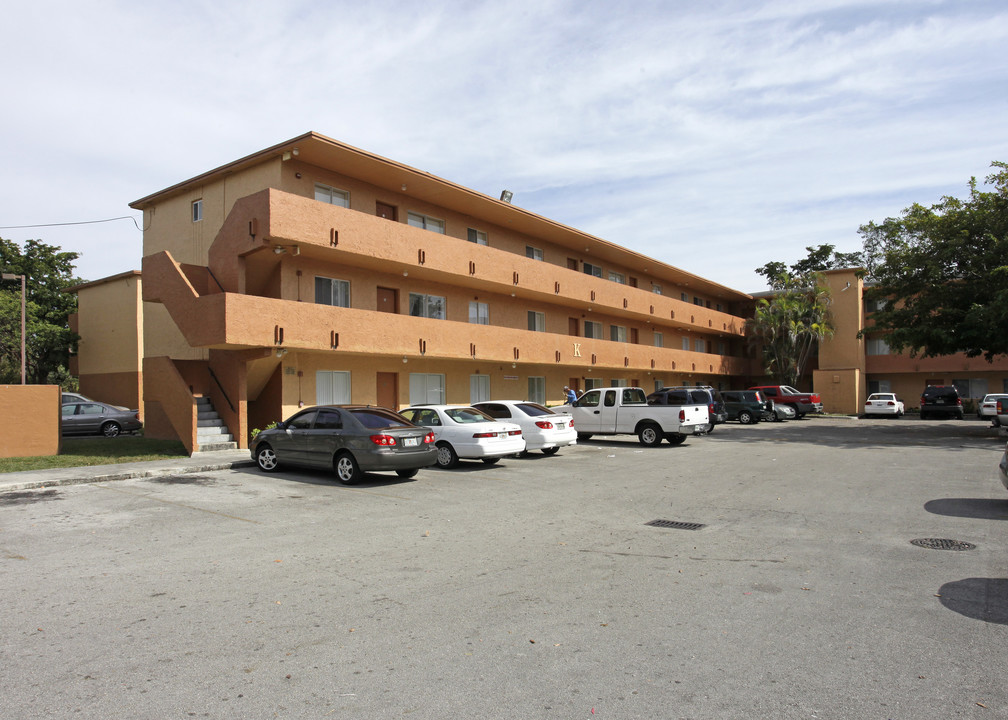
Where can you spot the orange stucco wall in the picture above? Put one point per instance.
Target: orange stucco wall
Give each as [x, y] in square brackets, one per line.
[29, 420]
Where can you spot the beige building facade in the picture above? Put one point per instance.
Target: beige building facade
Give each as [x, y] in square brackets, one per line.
[314, 272]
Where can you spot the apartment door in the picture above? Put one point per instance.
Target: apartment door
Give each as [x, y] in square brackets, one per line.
[574, 384]
[573, 327]
[388, 300]
[388, 390]
[389, 212]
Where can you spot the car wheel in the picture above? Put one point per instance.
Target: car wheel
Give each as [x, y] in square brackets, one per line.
[584, 436]
[407, 474]
[960, 417]
[675, 438]
[110, 429]
[346, 468]
[923, 415]
[709, 429]
[551, 451]
[446, 457]
[649, 435]
[745, 417]
[266, 459]
[490, 461]
[996, 422]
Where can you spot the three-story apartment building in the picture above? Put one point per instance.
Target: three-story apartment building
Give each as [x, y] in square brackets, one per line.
[313, 272]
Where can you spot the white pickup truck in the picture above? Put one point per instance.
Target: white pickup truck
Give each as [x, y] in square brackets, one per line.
[624, 411]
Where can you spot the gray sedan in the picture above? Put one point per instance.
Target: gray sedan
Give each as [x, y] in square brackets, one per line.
[95, 418]
[347, 439]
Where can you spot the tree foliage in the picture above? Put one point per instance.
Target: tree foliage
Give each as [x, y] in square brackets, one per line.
[944, 271]
[48, 338]
[819, 259]
[789, 325]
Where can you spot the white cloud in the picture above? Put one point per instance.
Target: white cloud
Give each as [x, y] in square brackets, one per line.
[715, 136]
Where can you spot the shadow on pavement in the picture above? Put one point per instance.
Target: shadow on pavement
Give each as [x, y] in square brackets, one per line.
[978, 598]
[980, 508]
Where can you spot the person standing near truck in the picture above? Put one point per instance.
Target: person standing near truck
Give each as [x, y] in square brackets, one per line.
[569, 395]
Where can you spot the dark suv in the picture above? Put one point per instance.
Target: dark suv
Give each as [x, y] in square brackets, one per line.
[693, 396]
[746, 406]
[941, 400]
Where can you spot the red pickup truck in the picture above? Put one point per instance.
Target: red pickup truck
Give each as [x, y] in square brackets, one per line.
[803, 403]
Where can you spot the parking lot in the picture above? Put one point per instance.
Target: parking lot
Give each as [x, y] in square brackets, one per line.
[534, 588]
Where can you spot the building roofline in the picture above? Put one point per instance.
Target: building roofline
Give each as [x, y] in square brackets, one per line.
[314, 148]
[104, 281]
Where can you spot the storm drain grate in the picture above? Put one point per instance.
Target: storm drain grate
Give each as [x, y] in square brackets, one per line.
[942, 544]
[675, 524]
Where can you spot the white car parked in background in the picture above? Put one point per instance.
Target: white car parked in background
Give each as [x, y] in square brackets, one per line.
[467, 433]
[542, 428]
[884, 404]
[987, 408]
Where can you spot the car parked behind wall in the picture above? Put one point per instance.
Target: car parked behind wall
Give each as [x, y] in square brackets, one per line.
[95, 418]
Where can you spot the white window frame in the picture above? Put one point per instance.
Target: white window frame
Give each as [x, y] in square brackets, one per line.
[700, 345]
[877, 346]
[425, 304]
[331, 195]
[197, 210]
[619, 382]
[593, 330]
[477, 236]
[537, 389]
[659, 339]
[479, 388]
[332, 387]
[593, 270]
[592, 383]
[656, 288]
[343, 285]
[536, 321]
[479, 312]
[426, 388]
[425, 222]
[534, 253]
[617, 277]
[617, 333]
[684, 297]
[685, 342]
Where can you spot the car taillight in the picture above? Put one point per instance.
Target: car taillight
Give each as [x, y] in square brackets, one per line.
[923, 399]
[383, 440]
[485, 435]
[544, 424]
[682, 416]
[571, 423]
[890, 403]
[999, 408]
[958, 401]
[428, 438]
[867, 402]
[514, 432]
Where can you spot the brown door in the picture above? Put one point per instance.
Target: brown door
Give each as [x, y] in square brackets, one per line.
[388, 300]
[388, 212]
[574, 384]
[573, 327]
[388, 390]
[633, 336]
[572, 264]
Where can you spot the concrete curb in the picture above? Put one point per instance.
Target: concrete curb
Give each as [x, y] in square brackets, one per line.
[36, 479]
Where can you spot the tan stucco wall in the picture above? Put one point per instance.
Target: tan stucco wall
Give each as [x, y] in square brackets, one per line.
[842, 391]
[110, 352]
[844, 349]
[29, 420]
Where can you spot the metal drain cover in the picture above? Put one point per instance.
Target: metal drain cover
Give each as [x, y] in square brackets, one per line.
[942, 544]
[675, 524]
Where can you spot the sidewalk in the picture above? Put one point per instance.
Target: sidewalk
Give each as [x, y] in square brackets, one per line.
[198, 462]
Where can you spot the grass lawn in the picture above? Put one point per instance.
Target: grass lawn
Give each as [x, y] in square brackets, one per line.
[98, 451]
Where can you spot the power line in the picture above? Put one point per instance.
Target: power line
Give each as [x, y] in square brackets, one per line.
[82, 222]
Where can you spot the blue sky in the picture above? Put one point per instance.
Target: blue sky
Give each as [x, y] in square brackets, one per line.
[713, 136]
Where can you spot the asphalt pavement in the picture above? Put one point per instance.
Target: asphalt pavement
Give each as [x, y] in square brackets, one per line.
[781, 580]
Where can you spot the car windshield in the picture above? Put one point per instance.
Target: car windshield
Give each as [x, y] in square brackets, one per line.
[377, 418]
[534, 409]
[468, 415]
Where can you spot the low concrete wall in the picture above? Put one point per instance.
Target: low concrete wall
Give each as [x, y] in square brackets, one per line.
[29, 420]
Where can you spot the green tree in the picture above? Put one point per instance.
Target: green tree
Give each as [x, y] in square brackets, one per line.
[48, 338]
[789, 325]
[819, 259]
[943, 272]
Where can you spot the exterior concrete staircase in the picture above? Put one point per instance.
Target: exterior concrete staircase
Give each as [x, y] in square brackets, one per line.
[211, 432]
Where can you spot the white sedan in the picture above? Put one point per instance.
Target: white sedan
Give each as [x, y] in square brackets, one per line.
[987, 408]
[467, 433]
[542, 428]
[883, 404]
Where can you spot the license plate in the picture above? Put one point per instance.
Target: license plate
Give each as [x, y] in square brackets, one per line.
[411, 442]
[561, 426]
